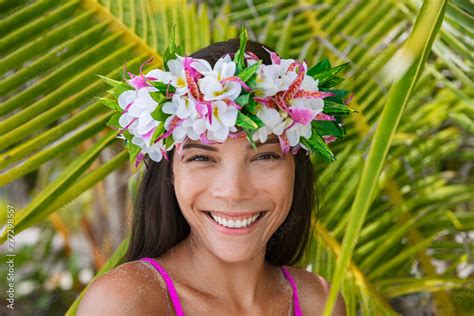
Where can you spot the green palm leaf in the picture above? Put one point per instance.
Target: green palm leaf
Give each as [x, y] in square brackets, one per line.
[415, 53]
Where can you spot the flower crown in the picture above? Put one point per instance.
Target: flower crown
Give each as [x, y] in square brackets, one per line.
[193, 100]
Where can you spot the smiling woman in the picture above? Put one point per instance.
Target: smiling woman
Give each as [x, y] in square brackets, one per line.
[219, 229]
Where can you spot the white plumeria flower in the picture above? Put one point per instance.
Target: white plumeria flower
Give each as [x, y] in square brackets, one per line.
[280, 128]
[125, 101]
[199, 125]
[294, 133]
[145, 123]
[139, 111]
[223, 121]
[144, 102]
[210, 84]
[183, 130]
[176, 75]
[274, 78]
[154, 151]
[183, 107]
[271, 117]
[126, 98]
[223, 118]
[262, 133]
[138, 105]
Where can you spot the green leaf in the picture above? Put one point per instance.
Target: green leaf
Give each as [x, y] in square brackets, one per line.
[127, 135]
[110, 103]
[324, 76]
[114, 120]
[158, 113]
[252, 82]
[57, 148]
[333, 108]
[133, 150]
[239, 59]
[35, 211]
[163, 87]
[326, 128]
[317, 145]
[339, 96]
[248, 103]
[243, 99]
[158, 132]
[245, 121]
[331, 82]
[158, 96]
[252, 105]
[248, 133]
[180, 49]
[248, 72]
[169, 141]
[172, 50]
[319, 67]
[256, 119]
[119, 86]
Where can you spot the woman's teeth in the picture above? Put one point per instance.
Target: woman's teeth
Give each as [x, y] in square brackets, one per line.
[235, 223]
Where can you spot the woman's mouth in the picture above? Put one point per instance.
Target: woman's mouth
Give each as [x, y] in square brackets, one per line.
[234, 223]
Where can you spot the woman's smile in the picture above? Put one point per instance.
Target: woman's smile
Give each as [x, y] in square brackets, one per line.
[231, 224]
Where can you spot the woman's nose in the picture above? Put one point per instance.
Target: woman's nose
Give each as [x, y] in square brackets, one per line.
[232, 183]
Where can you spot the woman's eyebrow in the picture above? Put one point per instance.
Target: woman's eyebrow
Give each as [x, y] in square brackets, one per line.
[269, 141]
[198, 145]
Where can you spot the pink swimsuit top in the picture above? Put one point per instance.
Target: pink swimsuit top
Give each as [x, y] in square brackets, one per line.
[177, 305]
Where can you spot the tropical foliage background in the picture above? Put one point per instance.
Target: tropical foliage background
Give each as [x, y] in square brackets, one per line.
[396, 206]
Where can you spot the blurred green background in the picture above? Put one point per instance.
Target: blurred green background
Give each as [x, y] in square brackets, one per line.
[71, 184]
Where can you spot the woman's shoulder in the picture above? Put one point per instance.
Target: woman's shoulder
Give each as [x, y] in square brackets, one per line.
[313, 291]
[125, 289]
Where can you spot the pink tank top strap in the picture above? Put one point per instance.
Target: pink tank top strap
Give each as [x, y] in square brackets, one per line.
[296, 303]
[169, 285]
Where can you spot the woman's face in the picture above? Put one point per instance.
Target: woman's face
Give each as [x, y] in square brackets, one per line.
[234, 184]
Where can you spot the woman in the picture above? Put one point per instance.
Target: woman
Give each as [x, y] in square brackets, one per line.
[217, 230]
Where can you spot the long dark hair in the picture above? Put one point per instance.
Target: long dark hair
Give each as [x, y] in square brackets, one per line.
[158, 223]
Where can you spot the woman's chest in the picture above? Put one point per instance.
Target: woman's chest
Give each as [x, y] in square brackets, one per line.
[277, 302]
[277, 305]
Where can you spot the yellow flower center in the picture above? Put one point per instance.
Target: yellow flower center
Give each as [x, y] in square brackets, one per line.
[215, 112]
[220, 92]
[181, 82]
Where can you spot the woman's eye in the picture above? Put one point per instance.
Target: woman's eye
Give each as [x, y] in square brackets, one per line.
[198, 158]
[267, 156]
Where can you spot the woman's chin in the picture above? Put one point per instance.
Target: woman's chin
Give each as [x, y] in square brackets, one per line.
[236, 253]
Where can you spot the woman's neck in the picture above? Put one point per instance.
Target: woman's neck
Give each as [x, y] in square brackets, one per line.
[241, 284]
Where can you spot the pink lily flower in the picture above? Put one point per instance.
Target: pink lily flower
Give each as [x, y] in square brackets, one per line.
[139, 82]
[302, 115]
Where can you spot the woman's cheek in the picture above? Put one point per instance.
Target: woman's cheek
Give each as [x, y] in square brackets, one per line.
[188, 183]
[278, 178]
